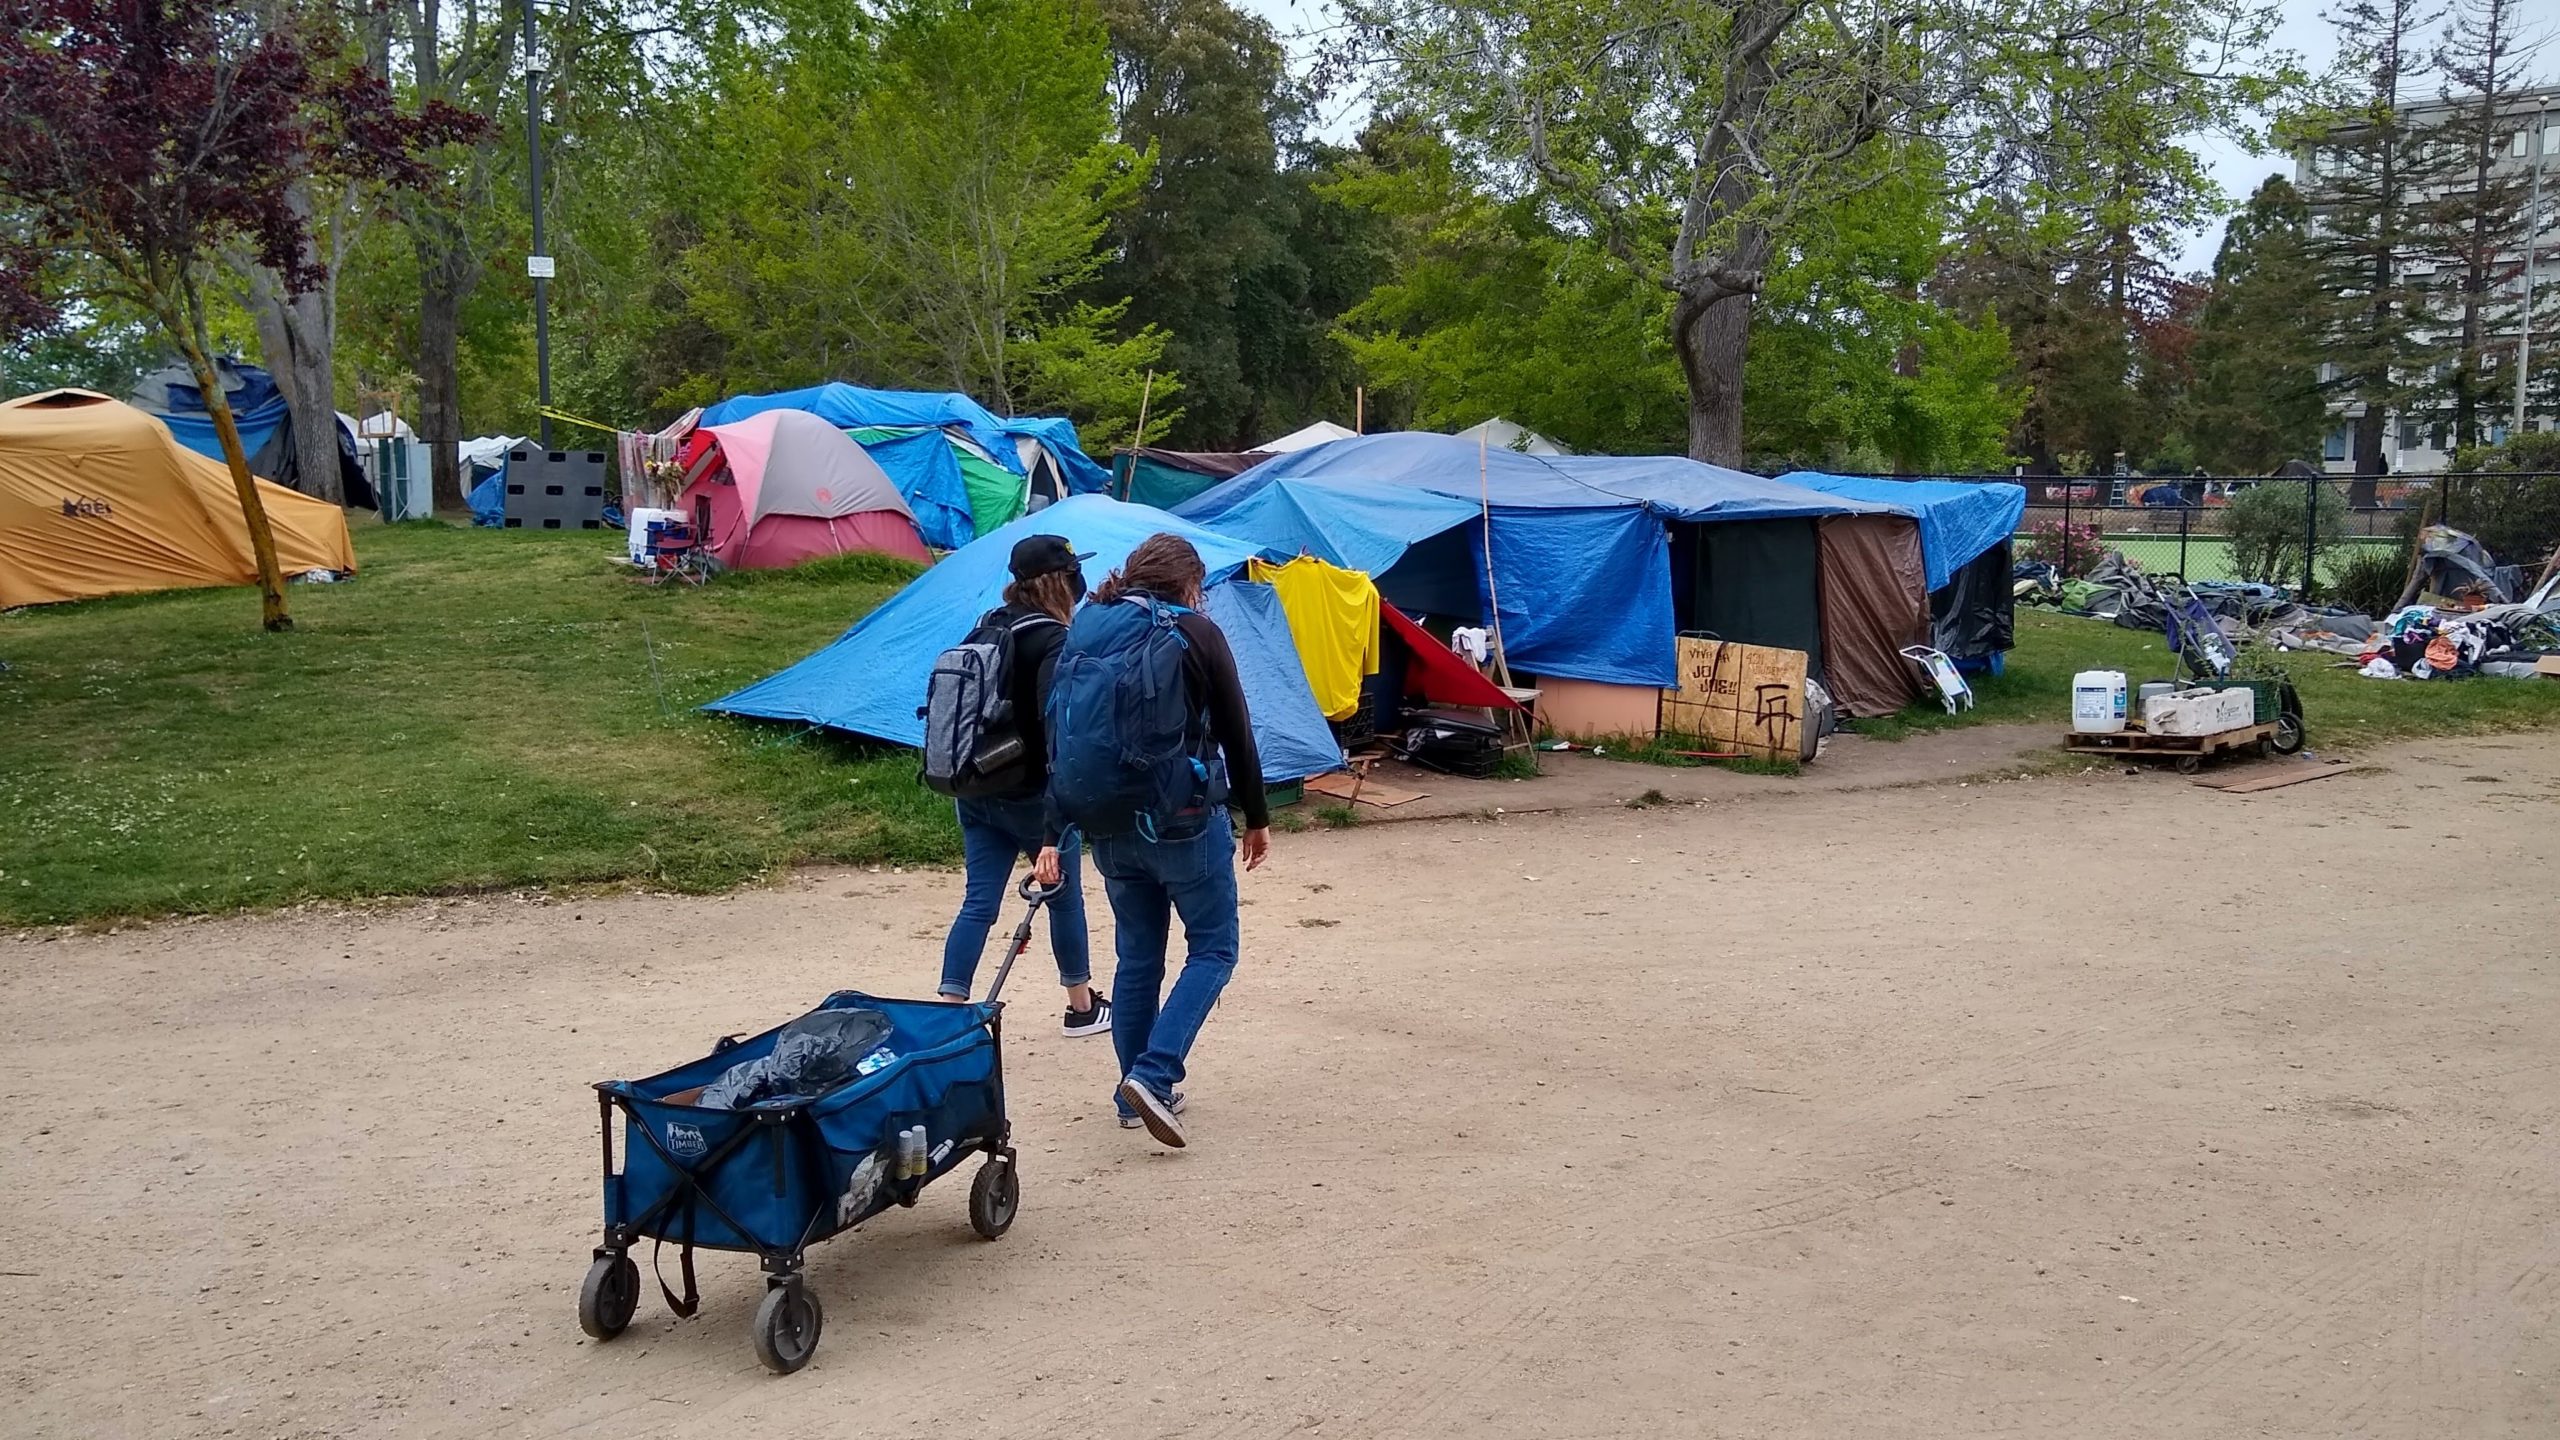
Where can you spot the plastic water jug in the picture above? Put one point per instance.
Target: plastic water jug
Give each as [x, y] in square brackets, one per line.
[2097, 702]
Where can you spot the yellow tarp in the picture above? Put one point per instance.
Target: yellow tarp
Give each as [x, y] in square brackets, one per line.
[97, 498]
[1333, 616]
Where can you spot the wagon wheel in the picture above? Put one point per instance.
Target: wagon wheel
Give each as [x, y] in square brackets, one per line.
[2266, 747]
[2289, 732]
[994, 1197]
[609, 1296]
[2190, 764]
[787, 1326]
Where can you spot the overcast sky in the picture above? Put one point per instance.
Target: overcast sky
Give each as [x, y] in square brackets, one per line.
[2303, 32]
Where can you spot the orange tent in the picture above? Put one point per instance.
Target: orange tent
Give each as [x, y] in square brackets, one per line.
[96, 498]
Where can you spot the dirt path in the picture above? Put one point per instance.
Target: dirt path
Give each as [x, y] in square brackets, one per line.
[2092, 1107]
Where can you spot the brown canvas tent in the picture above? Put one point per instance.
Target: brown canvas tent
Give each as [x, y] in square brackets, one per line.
[96, 498]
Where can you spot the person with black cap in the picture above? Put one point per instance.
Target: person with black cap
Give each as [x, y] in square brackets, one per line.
[1048, 581]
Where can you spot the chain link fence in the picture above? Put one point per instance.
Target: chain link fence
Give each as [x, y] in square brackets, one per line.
[2306, 534]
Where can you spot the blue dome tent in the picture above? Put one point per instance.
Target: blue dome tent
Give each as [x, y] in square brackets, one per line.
[870, 680]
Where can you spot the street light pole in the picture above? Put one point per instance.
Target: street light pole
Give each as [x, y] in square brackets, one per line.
[537, 265]
[2532, 242]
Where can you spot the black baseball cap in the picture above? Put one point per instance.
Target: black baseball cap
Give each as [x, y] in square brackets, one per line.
[1038, 555]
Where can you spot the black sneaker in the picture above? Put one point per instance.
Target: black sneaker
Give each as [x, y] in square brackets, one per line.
[1136, 1122]
[1095, 1020]
[1157, 1115]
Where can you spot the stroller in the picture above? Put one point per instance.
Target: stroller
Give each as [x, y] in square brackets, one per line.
[773, 1177]
[2207, 657]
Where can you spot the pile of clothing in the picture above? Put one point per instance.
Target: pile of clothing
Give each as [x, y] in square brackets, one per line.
[2424, 642]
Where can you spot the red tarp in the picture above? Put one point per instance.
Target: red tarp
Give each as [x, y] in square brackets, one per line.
[1437, 673]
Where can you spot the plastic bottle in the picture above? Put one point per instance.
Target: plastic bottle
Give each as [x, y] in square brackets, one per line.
[2098, 702]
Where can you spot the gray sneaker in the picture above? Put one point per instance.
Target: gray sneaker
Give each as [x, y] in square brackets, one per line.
[1157, 1115]
[1136, 1122]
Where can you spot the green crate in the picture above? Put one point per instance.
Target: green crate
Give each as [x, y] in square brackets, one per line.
[1280, 796]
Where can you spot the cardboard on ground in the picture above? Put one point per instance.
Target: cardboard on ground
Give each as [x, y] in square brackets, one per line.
[1738, 697]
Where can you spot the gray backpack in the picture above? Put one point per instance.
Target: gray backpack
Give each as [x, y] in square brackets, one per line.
[973, 740]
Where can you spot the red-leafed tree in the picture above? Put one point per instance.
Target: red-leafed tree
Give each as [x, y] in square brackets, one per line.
[140, 137]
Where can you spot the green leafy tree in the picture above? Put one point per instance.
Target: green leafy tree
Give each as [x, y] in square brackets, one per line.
[2080, 139]
[1684, 136]
[2256, 401]
[1204, 250]
[917, 210]
[1495, 311]
[1852, 367]
[1490, 311]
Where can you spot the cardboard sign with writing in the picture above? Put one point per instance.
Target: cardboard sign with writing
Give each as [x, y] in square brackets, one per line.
[1739, 697]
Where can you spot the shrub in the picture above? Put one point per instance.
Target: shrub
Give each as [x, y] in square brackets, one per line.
[2045, 538]
[2371, 577]
[2266, 524]
[2496, 495]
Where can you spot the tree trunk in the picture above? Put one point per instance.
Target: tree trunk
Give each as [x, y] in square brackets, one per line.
[2371, 429]
[253, 511]
[1712, 337]
[446, 273]
[293, 334]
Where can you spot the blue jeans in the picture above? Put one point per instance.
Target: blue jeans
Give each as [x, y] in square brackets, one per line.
[1148, 883]
[993, 834]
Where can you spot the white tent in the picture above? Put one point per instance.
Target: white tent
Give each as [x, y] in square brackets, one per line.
[1321, 432]
[1501, 434]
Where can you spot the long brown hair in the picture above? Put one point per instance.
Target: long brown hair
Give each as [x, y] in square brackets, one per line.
[1164, 566]
[1052, 593]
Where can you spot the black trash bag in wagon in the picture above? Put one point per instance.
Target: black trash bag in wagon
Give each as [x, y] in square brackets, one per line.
[813, 1054]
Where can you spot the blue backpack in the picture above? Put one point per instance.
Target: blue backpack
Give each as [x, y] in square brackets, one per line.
[1126, 740]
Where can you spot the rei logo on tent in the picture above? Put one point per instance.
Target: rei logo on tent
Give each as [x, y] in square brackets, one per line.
[82, 507]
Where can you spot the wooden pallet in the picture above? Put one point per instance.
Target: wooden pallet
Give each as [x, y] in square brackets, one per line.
[2188, 752]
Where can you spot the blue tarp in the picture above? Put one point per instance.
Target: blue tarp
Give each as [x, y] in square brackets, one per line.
[1356, 525]
[1585, 589]
[920, 463]
[870, 679]
[1586, 594]
[1672, 486]
[1958, 519]
[257, 407]
[1057, 435]
[851, 407]
[488, 499]
[1678, 488]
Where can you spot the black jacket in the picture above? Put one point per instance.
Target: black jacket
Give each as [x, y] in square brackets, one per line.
[1035, 668]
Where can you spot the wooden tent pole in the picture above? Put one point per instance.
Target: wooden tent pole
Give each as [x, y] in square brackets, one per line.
[1360, 409]
[1138, 439]
[1515, 725]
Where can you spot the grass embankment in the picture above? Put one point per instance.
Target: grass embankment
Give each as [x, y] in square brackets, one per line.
[475, 710]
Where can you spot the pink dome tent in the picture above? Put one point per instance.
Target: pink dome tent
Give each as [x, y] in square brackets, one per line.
[784, 486]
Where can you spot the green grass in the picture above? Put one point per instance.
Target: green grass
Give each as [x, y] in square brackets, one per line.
[2342, 709]
[2208, 557]
[475, 710]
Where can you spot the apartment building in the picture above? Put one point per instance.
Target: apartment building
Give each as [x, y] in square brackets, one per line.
[2421, 441]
